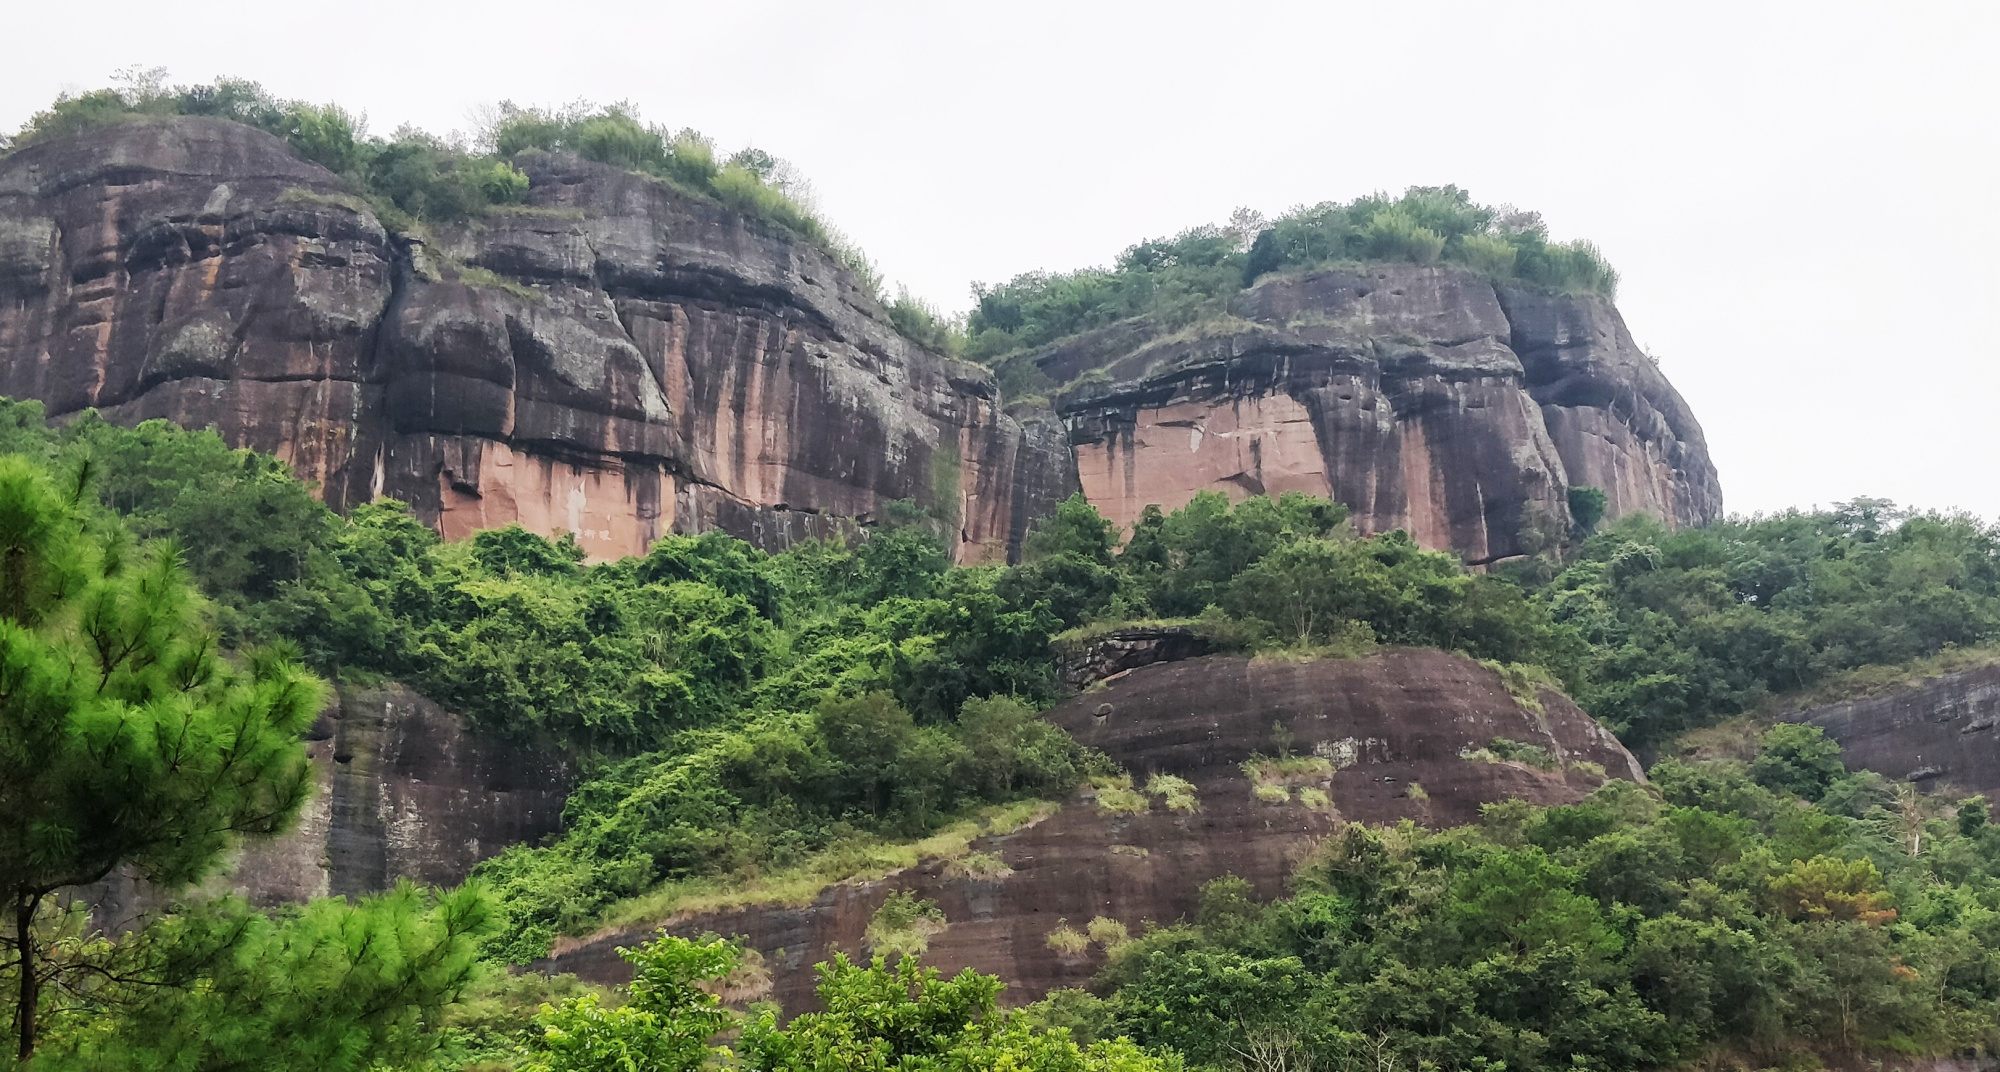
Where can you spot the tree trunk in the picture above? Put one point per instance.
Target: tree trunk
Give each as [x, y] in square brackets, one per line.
[24, 935]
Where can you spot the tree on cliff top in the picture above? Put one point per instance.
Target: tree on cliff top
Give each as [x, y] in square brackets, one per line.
[125, 738]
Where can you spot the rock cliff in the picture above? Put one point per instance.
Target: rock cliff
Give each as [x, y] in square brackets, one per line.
[620, 359]
[615, 358]
[1382, 724]
[1424, 398]
[402, 788]
[1942, 734]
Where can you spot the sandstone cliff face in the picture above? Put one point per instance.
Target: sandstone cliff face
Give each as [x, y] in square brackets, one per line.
[1424, 398]
[1384, 723]
[616, 359]
[620, 360]
[402, 788]
[1938, 734]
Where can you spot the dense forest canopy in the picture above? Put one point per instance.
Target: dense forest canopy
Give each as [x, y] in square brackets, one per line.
[803, 713]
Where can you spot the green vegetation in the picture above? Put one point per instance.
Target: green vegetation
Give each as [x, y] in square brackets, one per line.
[1729, 915]
[756, 726]
[128, 741]
[413, 178]
[1192, 275]
[1687, 628]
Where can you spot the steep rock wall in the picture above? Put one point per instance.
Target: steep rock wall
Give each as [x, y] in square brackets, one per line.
[1384, 723]
[615, 358]
[1424, 398]
[1944, 732]
[402, 788]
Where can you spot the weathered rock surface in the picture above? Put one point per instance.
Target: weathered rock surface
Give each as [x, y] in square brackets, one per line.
[615, 359]
[403, 789]
[1424, 398]
[1382, 723]
[1944, 732]
[1083, 663]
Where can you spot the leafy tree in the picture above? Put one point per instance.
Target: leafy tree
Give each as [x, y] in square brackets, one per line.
[331, 987]
[1797, 758]
[125, 738]
[1586, 509]
[665, 1025]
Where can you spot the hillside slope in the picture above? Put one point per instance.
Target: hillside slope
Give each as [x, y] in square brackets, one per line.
[1365, 732]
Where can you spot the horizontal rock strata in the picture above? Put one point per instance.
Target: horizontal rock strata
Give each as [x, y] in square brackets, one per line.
[1382, 724]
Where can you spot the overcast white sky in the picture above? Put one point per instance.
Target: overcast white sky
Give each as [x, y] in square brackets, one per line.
[1801, 197]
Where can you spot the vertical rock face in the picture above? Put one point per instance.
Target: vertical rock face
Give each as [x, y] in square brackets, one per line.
[1423, 398]
[620, 360]
[615, 359]
[403, 788]
[1942, 733]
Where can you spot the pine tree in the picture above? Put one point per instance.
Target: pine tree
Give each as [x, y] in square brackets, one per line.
[126, 738]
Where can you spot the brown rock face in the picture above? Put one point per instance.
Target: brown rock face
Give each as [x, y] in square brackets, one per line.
[1382, 724]
[403, 789]
[620, 360]
[1425, 399]
[616, 359]
[1941, 733]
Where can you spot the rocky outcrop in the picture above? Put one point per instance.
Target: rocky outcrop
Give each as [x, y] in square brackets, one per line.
[1943, 733]
[1424, 398]
[1379, 727]
[402, 789]
[1086, 661]
[620, 359]
[616, 358]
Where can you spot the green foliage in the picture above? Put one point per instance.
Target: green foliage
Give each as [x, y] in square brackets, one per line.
[879, 1017]
[125, 739]
[1586, 510]
[330, 987]
[415, 177]
[666, 1024]
[1193, 275]
[1620, 933]
[1798, 759]
[922, 323]
[870, 1017]
[768, 794]
[1686, 628]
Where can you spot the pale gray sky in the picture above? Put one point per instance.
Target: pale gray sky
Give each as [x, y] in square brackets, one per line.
[1799, 196]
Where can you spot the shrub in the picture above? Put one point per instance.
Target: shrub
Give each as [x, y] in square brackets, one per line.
[1393, 235]
[1272, 794]
[1117, 801]
[1067, 941]
[1108, 933]
[978, 865]
[904, 926]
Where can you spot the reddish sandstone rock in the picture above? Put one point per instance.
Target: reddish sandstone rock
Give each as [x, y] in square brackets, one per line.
[616, 359]
[1423, 398]
[1382, 724]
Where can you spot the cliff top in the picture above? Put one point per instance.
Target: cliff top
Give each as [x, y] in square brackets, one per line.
[414, 180]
